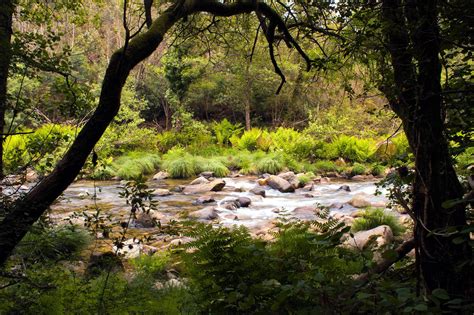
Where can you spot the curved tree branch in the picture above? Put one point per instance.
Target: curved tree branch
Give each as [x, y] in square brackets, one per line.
[25, 211]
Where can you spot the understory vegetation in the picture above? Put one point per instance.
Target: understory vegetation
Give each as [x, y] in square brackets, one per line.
[305, 269]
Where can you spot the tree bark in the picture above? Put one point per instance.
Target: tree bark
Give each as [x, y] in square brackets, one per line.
[26, 211]
[417, 101]
[6, 13]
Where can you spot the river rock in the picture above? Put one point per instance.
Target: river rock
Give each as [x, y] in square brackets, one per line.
[305, 213]
[180, 241]
[244, 202]
[178, 188]
[259, 191]
[207, 174]
[204, 199]
[161, 175]
[230, 205]
[160, 192]
[31, 175]
[345, 188]
[131, 248]
[309, 187]
[262, 181]
[147, 219]
[215, 185]
[291, 178]
[208, 213]
[359, 201]
[324, 180]
[199, 180]
[280, 184]
[383, 235]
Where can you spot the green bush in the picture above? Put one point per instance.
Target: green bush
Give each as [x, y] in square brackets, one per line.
[181, 167]
[354, 149]
[136, 164]
[305, 178]
[358, 169]
[377, 170]
[292, 142]
[252, 140]
[152, 265]
[269, 165]
[230, 272]
[465, 160]
[373, 218]
[224, 130]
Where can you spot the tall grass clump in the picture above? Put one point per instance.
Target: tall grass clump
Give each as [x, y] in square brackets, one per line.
[225, 130]
[214, 165]
[372, 218]
[136, 164]
[269, 165]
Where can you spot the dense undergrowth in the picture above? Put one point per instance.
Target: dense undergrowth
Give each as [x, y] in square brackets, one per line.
[129, 153]
[223, 271]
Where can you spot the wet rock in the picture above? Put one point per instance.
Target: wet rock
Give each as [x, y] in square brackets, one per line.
[204, 199]
[332, 174]
[31, 175]
[145, 220]
[208, 213]
[345, 188]
[178, 188]
[160, 192]
[383, 235]
[309, 187]
[207, 175]
[230, 205]
[359, 201]
[336, 205]
[180, 241]
[265, 175]
[308, 195]
[161, 175]
[305, 213]
[324, 180]
[259, 191]
[215, 185]
[359, 178]
[291, 178]
[199, 180]
[280, 184]
[244, 202]
[357, 213]
[262, 181]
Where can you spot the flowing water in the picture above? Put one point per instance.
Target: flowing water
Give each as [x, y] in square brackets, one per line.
[80, 196]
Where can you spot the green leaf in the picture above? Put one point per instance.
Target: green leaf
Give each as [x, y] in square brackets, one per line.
[420, 307]
[440, 294]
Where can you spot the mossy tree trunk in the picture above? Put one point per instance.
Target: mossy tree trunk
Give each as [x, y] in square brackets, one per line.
[414, 45]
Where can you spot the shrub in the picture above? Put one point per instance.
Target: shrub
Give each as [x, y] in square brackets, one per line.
[373, 218]
[252, 140]
[464, 160]
[152, 265]
[354, 149]
[269, 165]
[305, 178]
[292, 142]
[377, 170]
[358, 169]
[224, 130]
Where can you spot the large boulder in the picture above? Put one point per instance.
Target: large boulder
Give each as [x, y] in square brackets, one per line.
[215, 185]
[291, 178]
[383, 235]
[208, 213]
[360, 201]
[199, 180]
[280, 184]
[345, 188]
